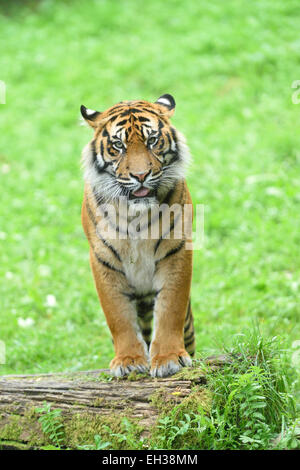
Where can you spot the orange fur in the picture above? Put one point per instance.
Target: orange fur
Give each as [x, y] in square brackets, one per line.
[134, 277]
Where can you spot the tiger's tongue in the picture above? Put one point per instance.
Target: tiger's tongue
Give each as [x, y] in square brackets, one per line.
[142, 192]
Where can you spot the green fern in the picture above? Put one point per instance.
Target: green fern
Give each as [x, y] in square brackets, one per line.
[51, 424]
[99, 444]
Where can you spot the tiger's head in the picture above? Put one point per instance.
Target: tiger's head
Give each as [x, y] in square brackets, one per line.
[135, 152]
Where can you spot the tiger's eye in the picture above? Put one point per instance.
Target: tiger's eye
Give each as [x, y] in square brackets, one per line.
[152, 140]
[118, 144]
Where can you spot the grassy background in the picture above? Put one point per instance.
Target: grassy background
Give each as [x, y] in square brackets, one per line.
[230, 66]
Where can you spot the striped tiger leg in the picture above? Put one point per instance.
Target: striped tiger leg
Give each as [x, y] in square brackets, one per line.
[189, 333]
[174, 272]
[130, 349]
[145, 316]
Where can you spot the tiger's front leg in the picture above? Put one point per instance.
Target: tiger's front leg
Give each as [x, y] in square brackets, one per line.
[174, 273]
[130, 348]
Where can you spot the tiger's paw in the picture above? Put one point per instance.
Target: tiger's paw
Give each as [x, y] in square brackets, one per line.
[169, 364]
[123, 365]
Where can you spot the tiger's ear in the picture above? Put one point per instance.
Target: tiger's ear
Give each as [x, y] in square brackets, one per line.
[167, 103]
[89, 115]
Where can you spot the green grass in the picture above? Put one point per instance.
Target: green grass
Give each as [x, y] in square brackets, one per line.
[230, 66]
[252, 405]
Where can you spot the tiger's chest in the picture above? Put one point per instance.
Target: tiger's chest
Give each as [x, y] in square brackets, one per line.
[139, 265]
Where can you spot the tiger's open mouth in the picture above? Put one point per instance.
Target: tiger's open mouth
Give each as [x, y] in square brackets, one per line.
[141, 193]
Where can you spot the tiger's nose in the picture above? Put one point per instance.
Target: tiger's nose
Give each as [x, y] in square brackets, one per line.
[140, 176]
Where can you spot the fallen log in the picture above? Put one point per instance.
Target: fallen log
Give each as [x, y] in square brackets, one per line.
[89, 400]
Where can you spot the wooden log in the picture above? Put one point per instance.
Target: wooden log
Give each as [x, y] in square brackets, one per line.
[93, 394]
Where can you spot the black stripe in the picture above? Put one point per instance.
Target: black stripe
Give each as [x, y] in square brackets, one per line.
[157, 245]
[113, 118]
[186, 345]
[187, 327]
[125, 113]
[188, 313]
[122, 123]
[161, 145]
[99, 167]
[107, 265]
[102, 148]
[135, 296]
[149, 111]
[174, 134]
[147, 332]
[144, 307]
[145, 320]
[111, 151]
[130, 295]
[93, 145]
[135, 110]
[189, 337]
[166, 233]
[160, 124]
[171, 252]
[143, 119]
[110, 247]
[169, 140]
[188, 316]
[105, 242]
[188, 319]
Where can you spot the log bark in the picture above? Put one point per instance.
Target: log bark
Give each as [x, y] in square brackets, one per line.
[90, 393]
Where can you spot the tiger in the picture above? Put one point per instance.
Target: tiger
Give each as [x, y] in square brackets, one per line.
[136, 156]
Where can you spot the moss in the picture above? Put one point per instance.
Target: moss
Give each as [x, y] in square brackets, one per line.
[23, 429]
[99, 402]
[136, 376]
[195, 375]
[104, 377]
[199, 399]
[162, 401]
[101, 377]
[12, 445]
[81, 429]
[12, 430]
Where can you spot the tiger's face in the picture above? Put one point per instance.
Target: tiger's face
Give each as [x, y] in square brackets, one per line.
[135, 152]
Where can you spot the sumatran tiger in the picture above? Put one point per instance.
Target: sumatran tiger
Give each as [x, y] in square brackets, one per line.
[136, 156]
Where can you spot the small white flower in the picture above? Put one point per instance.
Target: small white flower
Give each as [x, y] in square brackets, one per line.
[2, 235]
[295, 286]
[51, 301]
[5, 168]
[9, 275]
[25, 322]
[273, 191]
[44, 270]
